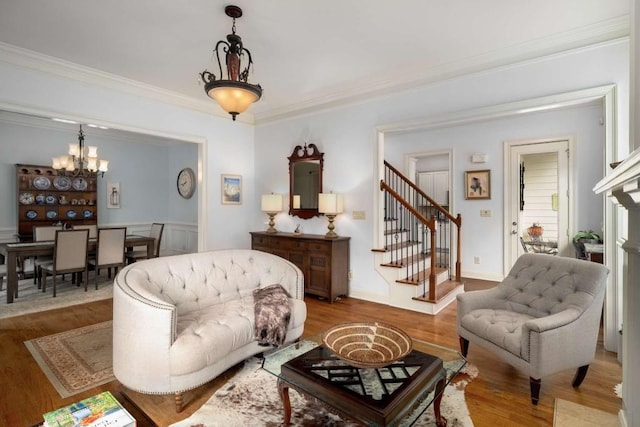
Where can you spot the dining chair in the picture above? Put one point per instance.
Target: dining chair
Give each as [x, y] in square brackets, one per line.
[3, 274]
[109, 251]
[42, 234]
[69, 256]
[93, 229]
[139, 253]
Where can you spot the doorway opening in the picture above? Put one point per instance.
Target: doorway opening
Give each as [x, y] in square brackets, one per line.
[537, 200]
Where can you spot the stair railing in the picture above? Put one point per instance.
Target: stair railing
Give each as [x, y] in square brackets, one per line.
[414, 220]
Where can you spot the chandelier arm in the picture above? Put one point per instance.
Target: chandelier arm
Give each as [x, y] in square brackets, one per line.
[225, 47]
[245, 72]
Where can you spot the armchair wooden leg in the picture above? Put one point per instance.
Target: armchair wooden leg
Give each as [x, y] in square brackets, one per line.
[178, 397]
[580, 374]
[464, 346]
[535, 389]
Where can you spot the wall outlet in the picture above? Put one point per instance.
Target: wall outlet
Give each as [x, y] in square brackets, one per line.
[350, 274]
[485, 212]
[359, 215]
[476, 260]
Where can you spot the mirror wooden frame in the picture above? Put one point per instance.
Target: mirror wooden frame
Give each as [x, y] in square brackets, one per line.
[308, 153]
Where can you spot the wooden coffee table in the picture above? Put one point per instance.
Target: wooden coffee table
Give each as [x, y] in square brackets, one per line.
[396, 394]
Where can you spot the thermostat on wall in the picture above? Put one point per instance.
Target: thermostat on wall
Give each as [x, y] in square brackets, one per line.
[478, 158]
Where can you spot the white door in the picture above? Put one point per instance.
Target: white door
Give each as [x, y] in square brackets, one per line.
[539, 194]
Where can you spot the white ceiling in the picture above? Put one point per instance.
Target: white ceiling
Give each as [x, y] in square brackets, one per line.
[307, 53]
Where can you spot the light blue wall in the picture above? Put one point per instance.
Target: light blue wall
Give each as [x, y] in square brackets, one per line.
[145, 169]
[347, 136]
[582, 124]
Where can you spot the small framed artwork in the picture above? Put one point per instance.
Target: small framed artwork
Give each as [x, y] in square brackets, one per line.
[113, 195]
[477, 184]
[231, 189]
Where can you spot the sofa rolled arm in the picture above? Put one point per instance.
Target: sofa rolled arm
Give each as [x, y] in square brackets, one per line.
[144, 328]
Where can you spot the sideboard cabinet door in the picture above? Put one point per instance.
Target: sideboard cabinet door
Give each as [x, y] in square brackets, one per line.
[324, 262]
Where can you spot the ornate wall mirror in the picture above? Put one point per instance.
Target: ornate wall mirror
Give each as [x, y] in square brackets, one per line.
[305, 180]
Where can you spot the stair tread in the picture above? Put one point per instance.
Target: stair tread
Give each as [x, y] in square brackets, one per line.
[442, 290]
[407, 260]
[421, 276]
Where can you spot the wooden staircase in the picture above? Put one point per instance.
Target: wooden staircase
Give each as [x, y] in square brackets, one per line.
[417, 259]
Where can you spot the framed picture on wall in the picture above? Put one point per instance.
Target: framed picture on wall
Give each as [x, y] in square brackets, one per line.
[231, 189]
[477, 184]
[113, 195]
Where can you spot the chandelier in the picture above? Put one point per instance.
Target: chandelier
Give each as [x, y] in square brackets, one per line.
[234, 94]
[80, 161]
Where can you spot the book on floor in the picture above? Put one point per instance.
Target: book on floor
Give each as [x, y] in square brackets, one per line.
[101, 410]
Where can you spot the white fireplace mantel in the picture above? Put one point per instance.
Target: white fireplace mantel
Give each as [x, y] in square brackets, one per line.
[622, 185]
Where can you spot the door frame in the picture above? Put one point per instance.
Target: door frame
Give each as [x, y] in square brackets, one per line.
[511, 188]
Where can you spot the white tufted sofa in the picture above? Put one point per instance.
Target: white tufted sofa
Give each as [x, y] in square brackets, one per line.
[180, 321]
[543, 318]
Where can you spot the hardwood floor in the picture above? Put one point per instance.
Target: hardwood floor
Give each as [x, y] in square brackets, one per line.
[499, 396]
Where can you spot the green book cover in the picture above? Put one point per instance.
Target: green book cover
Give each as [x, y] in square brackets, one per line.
[100, 410]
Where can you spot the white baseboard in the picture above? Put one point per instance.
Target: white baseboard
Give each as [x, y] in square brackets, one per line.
[494, 277]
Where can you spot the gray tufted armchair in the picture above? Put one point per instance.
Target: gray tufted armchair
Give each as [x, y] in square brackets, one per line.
[543, 318]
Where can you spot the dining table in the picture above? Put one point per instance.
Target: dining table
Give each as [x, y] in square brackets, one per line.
[20, 250]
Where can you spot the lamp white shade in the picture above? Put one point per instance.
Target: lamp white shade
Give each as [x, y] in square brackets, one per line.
[92, 164]
[330, 203]
[272, 203]
[104, 165]
[92, 151]
[55, 163]
[296, 201]
[74, 149]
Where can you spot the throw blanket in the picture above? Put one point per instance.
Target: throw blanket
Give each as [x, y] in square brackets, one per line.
[272, 315]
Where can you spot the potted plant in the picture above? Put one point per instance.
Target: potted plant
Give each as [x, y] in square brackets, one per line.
[535, 231]
[586, 237]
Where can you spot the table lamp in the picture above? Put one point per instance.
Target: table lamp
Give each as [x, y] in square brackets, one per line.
[271, 205]
[330, 205]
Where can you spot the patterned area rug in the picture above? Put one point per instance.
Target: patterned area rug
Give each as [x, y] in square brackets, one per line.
[76, 360]
[32, 300]
[251, 398]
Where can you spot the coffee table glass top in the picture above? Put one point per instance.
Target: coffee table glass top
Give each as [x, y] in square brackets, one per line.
[453, 362]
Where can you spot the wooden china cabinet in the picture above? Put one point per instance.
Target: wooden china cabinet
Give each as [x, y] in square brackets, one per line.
[46, 198]
[324, 262]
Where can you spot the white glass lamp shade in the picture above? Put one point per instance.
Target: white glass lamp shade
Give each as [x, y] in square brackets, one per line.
[92, 164]
[63, 161]
[92, 152]
[74, 149]
[296, 201]
[330, 203]
[104, 165]
[70, 166]
[233, 99]
[271, 203]
[55, 163]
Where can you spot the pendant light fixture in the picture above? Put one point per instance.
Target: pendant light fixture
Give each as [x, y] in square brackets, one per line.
[234, 94]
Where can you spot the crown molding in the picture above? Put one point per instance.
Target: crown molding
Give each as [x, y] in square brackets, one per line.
[615, 30]
[48, 64]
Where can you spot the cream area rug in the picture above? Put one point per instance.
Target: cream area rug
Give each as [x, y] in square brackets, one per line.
[251, 398]
[76, 360]
[569, 414]
[32, 300]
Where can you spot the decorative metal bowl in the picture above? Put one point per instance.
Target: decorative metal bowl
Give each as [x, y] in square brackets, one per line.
[367, 344]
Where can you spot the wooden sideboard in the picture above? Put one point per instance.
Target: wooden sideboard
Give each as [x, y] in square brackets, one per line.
[324, 262]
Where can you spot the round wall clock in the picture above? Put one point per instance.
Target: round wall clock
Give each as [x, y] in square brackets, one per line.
[186, 183]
